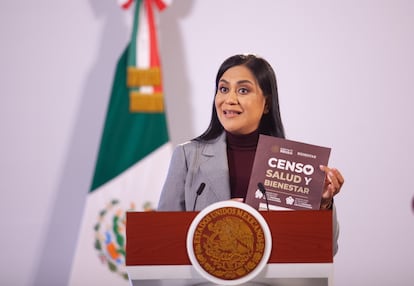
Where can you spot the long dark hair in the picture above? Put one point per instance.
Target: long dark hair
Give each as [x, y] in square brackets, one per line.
[271, 122]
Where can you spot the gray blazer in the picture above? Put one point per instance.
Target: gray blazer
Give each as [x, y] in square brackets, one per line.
[194, 163]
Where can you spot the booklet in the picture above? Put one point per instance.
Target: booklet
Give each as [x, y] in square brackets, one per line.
[286, 175]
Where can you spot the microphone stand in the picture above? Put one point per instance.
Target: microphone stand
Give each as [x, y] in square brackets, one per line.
[199, 191]
[263, 190]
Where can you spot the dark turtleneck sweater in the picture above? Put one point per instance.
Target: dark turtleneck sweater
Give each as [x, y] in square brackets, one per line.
[240, 155]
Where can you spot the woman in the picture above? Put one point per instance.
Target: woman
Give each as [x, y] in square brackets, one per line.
[245, 105]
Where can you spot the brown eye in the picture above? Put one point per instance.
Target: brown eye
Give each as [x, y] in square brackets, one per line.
[223, 89]
[243, 90]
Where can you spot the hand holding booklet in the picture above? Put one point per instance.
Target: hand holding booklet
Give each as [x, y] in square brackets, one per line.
[290, 174]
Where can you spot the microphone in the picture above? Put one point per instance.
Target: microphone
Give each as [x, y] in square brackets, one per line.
[199, 191]
[263, 190]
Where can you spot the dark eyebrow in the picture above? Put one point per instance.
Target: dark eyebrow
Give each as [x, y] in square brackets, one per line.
[223, 80]
[244, 81]
[239, 82]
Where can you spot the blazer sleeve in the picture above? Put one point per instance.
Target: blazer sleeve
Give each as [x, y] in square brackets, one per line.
[172, 195]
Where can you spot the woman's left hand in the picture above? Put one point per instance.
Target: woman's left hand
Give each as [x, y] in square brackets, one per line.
[333, 183]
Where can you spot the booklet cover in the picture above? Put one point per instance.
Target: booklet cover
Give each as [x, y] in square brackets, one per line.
[289, 172]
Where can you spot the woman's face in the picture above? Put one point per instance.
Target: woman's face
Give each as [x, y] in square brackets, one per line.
[239, 101]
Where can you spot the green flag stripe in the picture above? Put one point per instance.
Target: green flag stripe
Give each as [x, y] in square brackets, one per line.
[127, 137]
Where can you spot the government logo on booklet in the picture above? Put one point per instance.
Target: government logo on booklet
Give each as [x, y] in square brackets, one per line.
[229, 243]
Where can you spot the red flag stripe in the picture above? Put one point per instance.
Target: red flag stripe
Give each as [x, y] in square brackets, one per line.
[154, 54]
[125, 4]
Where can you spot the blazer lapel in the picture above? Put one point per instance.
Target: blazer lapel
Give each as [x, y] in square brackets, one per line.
[214, 168]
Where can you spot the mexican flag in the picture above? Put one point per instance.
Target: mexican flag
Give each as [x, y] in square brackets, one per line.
[133, 157]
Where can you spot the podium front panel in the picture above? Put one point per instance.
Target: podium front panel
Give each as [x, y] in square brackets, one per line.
[159, 238]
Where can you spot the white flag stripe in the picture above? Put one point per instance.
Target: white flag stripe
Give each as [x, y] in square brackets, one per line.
[143, 181]
[143, 48]
[139, 184]
[142, 51]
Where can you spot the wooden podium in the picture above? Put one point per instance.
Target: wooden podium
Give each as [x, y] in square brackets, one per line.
[301, 252]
